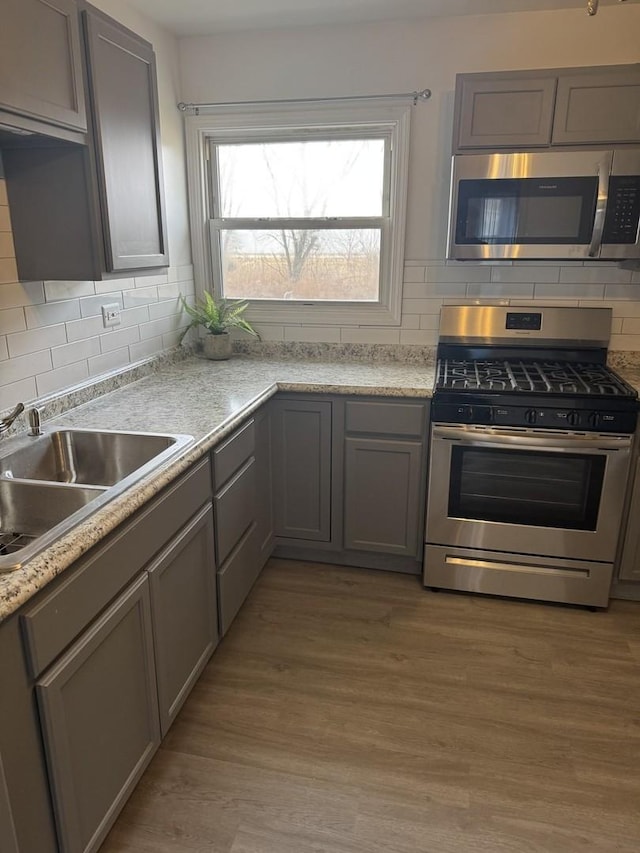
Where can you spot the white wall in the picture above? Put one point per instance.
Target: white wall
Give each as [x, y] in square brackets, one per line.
[51, 333]
[397, 57]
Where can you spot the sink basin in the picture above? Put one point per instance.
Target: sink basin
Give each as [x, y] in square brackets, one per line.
[30, 510]
[84, 456]
[52, 482]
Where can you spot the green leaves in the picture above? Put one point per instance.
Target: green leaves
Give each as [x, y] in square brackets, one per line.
[217, 316]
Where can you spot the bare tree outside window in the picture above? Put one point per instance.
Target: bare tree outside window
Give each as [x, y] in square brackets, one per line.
[311, 212]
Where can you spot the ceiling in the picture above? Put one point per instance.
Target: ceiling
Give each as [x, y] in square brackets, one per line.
[205, 17]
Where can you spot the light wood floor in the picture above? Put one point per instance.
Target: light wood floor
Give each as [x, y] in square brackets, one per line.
[350, 711]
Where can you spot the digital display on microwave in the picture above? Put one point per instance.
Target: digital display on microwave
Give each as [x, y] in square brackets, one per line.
[526, 211]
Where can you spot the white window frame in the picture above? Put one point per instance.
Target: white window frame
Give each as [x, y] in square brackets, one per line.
[333, 120]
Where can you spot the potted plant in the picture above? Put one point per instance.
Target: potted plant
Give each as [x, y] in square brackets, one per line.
[217, 316]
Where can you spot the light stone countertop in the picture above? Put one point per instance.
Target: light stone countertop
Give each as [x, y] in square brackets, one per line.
[207, 400]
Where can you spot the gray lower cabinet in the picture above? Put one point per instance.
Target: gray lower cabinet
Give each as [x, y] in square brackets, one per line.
[630, 561]
[99, 713]
[302, 469]
[8, 838]
[183, 608]
[241, 466]
[382, 487]
[41, 65]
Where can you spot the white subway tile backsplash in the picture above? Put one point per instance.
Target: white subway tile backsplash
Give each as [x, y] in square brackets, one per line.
[4, 349]
[62, 377]
[91, 306]
[524, 274]
[410, 321]
[12, 320]
[418, 337]
[370, 335]
[622, 291]
[459, 273]
[315, 334]
[34, 340]
[498, 290]
[89, 327]
[161, 326]
[625, 309]
[171, 339]
[49, 313]
[3, 192]
[142, 296]
[77, 351]
[24, 366]
[185, 272]
[411, 290]
[421, 306]
[624, 342]
[270, 333]
[19, 294]
[150, 280]
[430, 321]
[600, 274]
[438, 290]
[175, 289]
[145, 349]
[119, 338]
[114, 285]
[630, 325]
[5, 219]
[109, 361]
[164, 308]
[567, 290]
[413, 274]
[134, 316]
[12, 393]
[55, 290]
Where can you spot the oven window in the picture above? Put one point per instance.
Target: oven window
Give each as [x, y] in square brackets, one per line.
[525, 487]
[526, 211]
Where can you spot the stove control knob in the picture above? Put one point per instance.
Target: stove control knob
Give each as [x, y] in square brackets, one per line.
[594, 419]
[530, 416]
[573, 419]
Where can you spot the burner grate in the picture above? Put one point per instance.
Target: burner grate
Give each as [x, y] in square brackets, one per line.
[13, 541]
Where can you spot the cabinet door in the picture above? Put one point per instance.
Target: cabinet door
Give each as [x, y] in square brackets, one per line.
[302, 469]
[99, 709]
[126, 134]
[184, 612]
[600, 107]
[630, 561]
[509, 112]
[265, 522]
[382, 494]
[40, 61]
[8, 840]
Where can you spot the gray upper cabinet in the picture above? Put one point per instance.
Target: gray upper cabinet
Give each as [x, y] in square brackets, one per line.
[126, 135]
[602, 106]
[183, 607]
[519, 110]
[100, 716]
[496, 111]
[302, 468]
[40, 64]
[630, 561]
[96, 211]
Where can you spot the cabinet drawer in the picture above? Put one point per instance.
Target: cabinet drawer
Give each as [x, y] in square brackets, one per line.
[236, 578]
[59, 616]
[235, 508]
[232, 453]
[385, 418]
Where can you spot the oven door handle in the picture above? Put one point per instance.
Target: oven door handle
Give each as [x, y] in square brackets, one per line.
[589, 443]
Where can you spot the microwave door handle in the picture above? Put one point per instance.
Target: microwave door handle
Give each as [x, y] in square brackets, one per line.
[601, 206]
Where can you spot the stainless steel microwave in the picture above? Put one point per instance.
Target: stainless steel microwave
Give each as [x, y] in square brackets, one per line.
[574, 205]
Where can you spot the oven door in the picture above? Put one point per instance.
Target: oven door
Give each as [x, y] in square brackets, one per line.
[538, 492]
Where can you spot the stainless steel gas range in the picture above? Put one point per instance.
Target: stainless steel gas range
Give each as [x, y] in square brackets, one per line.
[530, 447]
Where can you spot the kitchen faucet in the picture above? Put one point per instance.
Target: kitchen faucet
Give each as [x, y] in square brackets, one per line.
[5, 423]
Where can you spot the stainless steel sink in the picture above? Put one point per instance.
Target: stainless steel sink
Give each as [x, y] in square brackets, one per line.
[84, 456]
[51, 482]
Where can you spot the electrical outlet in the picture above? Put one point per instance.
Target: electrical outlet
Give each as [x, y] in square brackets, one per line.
[111, 315]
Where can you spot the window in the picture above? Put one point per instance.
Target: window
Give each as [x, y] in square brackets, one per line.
[301, 211]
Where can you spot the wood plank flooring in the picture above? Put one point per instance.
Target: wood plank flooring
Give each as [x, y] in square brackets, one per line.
[351, 711]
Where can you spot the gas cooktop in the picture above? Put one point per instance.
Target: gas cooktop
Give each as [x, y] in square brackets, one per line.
[531, 377]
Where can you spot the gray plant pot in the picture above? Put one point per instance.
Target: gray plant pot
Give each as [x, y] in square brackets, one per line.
[217, 347]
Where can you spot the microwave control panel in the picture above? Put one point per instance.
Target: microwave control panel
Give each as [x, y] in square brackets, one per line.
[623, 210]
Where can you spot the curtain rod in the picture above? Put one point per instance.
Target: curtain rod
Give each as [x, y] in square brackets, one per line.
[422, 95]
